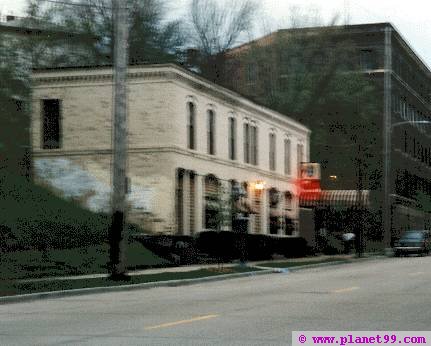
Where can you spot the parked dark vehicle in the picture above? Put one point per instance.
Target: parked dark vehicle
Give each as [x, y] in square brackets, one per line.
[418, 242]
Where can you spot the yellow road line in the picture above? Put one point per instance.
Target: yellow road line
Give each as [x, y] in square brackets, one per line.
[170, 324]
[343, 290]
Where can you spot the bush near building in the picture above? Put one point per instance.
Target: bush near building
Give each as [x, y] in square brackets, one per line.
[222, 246]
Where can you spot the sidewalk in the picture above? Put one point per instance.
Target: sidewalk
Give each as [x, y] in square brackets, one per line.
[175, 276]
[188, 268]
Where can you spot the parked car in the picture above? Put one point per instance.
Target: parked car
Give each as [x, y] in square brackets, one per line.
[418, 242]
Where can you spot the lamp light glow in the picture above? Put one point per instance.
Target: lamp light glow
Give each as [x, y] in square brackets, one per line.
[259, 185]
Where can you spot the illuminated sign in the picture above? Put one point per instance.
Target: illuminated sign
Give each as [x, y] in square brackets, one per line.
[310, 170]
[309, 180]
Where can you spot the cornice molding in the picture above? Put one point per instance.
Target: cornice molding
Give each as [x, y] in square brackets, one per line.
[170, 73]
[98, 77]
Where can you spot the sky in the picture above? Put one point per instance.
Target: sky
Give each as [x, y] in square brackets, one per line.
[411, 18]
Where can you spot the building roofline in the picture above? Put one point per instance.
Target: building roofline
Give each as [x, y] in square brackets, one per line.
[412, 52]
[249, 43]
[25, 26]
[232, 96]
[343, 26]
[379, 26]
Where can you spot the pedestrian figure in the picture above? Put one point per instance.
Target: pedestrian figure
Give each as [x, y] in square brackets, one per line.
[349, 239]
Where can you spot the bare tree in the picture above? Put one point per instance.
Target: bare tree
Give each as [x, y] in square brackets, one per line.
[216, 27]
[153, 38]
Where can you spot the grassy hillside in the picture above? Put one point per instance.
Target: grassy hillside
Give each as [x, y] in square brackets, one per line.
[33, 217]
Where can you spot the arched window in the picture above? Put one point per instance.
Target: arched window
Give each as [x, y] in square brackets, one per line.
[212, 203]
[245, 188]
[289, 226]
[300, 156]
[250, 143]
[272, 143]
[254, 144]
[179, 199]
[211, 132]
[274, 197]
[191, 126]
[288, 200]
[246, 143]
[232, 138]
[287, 156]
[235, 189]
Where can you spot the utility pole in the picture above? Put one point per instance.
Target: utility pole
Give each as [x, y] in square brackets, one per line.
[117, 234]
[387, 148]
[360, 183]
[360, 204]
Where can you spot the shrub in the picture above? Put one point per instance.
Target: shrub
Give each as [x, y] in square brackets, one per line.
[294, 247]
[227, 244]
[174, 248]
[220, 245]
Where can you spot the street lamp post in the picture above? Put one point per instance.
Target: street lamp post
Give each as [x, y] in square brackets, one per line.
[387, 181]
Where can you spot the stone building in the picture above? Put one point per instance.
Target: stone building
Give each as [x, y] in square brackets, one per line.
[26, 43]
[37, 43]
[191, 144]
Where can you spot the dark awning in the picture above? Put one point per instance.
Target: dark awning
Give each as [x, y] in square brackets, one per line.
[335, 198]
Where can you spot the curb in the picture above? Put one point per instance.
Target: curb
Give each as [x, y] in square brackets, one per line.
[147, 285]
[318, 265]
[171, 283]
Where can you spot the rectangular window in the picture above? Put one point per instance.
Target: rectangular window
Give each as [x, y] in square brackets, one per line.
[232, 139]
[211, 132]
[51, 124]
[246, 143]
[251, 72]
[287, 156]
[272, 151]
[367, 59]
[405, 141]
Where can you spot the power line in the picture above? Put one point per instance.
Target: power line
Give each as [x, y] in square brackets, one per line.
[67, 3]
[78, 4]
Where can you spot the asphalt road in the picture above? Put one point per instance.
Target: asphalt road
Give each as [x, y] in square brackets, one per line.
[386, 294]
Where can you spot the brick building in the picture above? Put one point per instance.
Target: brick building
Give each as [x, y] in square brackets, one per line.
[191, 144]
[403, 84]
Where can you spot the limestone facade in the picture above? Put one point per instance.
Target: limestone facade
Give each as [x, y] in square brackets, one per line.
[184, 154]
